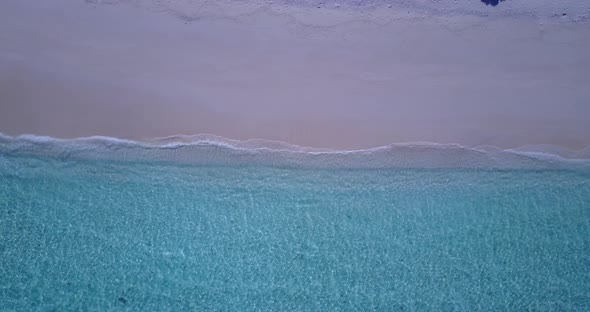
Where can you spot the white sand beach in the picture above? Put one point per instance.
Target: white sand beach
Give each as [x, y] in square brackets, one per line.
[337, 75]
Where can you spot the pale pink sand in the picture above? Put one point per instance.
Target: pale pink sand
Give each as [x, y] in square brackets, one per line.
[339, 78]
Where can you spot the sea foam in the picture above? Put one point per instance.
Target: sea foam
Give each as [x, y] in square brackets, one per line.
[205, 149]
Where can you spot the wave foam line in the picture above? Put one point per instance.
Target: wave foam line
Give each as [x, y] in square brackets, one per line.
[206, 149]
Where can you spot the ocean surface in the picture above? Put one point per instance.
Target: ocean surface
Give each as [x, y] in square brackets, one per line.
[204, 224]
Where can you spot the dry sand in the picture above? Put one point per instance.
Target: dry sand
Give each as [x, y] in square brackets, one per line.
[332, 75]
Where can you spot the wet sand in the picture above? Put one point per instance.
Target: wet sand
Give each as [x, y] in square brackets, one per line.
[329, 75]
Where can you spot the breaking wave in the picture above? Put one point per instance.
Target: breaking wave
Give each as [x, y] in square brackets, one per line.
[204, 149]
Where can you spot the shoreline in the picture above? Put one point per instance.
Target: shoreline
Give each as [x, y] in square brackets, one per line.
[275, 145]
[218, 151]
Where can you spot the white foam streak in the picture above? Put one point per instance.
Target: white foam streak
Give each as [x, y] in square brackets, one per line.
[210, 149]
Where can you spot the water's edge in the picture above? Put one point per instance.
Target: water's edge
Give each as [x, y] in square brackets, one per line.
[207, 149]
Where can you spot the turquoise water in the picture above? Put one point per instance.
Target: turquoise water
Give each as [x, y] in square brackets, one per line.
[106, 235]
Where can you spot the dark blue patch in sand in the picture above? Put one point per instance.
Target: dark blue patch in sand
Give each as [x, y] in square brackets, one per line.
[492, 2]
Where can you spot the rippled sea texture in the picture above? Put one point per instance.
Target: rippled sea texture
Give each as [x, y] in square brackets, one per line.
[102, 235]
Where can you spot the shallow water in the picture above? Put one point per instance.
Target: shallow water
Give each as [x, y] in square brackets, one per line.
[107, 235]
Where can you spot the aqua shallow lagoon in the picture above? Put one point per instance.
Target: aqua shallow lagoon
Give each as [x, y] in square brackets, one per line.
[108, 235]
